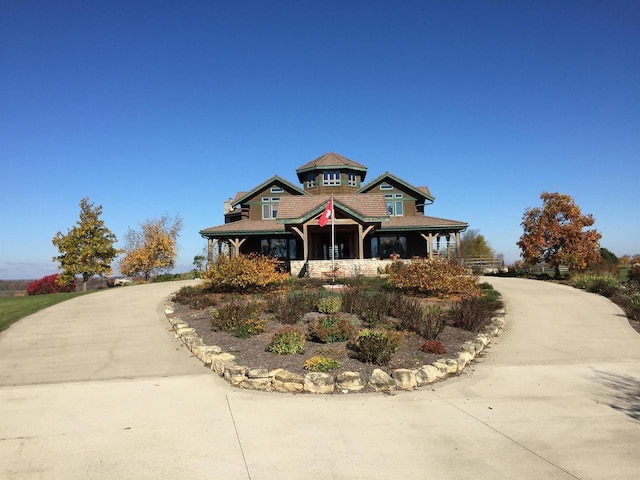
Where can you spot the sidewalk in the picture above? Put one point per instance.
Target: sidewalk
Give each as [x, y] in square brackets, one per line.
[97, 387]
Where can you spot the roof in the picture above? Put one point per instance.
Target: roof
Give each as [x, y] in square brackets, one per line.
[420, 192]
[367, 207]
[331, 160]
[244, 227]
[422, 222]
[242, 196]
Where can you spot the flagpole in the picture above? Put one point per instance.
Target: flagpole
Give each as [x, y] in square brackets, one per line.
[333, 240]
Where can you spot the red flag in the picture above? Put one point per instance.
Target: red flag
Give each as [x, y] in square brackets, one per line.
[326, 215]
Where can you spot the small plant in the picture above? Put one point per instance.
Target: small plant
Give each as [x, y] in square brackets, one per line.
[321, 364]
[330, 304]
[427, 322]
[433, 346]
[331, 329]
[195, 297]
[290, 308]
[473, 312]
[287, 341]
[50, 284]
[376, 346]
[238, 318]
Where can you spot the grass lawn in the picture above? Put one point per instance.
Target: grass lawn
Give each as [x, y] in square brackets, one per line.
[13, 309]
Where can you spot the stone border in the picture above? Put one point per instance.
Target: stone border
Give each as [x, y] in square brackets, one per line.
[281, 380]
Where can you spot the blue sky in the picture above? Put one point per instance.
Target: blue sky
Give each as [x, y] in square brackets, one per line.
[150, 108]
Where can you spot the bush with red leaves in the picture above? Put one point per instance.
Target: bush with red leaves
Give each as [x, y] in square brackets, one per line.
[49, 284]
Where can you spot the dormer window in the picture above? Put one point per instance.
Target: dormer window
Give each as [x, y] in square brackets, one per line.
[352, 180]
[311, 180]
[331, 178]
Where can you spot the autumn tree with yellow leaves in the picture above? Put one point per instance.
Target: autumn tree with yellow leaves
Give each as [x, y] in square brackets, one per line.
[87, 248]
[555, 233]
[152, 249]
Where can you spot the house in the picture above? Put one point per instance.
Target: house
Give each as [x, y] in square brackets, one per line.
[373, 222]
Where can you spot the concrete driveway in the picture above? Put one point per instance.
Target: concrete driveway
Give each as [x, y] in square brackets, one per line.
[98, 388]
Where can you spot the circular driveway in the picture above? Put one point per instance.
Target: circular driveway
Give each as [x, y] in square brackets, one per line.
[98, 387]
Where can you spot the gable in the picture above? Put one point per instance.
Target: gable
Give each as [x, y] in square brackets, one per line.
[273, 187]
[390, 184]
[366, 208]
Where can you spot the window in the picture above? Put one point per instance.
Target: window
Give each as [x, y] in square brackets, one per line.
[386, 186]
[331, 177]
[270, 207]
[281, 248]
[353, 181]
[387, 246]
[311, 180]
[394, 208]
[276, 190]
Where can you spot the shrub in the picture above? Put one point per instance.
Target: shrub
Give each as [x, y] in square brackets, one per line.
[331, 329]
[287, 341]
[431, 277]
[633, 275]
[238, 318]
[195, 297]
[330, 304]
[376, 346]
[472, 313]
[290, 308]
[604, 285]
[433, 346]
[49, 284]
[630, 304]
[244, 272]
[321, 364]
[426, 322]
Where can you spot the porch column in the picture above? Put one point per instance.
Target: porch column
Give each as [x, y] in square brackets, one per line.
[305, 241]
[448, 239]
[430, 243]
[360, 243]
[209, 250]
[457, 243]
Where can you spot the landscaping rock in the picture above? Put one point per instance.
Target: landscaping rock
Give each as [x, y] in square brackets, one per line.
[287, 382]
[319, 382]
[381, 381]
[182, 331]
[452, 365]
[427, 374]
[349, 382]
[204, 353]
[468, 347]
[220, 361]
[464, 358]
[258, 373]
[263, 384]
[235, 375]
[405, 378]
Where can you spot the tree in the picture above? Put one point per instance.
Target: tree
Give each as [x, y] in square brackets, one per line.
[555, 233]
[472, 244]
[153, 248]
[87, 248]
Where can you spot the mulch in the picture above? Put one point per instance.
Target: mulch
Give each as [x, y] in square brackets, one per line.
[252, 352]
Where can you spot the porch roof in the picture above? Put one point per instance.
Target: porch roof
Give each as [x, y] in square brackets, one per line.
[422, 222]
[244, 228]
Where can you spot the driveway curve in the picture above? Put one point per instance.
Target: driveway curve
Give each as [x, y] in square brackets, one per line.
[98, 387]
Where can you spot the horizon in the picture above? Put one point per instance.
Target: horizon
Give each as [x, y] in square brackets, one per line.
[150, 109]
